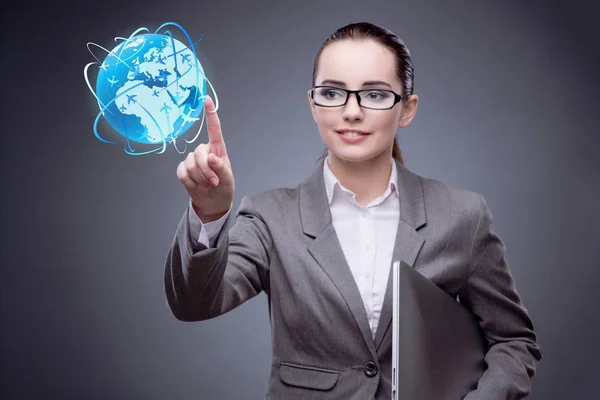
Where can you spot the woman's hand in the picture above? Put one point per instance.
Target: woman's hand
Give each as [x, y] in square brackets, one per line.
[206, 172]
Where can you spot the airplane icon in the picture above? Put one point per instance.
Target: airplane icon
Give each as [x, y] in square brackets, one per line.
[122, 108]
[155, 93]
[165, 108]
[187, 118]
[104, 66]
[112, 81]
[176, 97]
[185, 58]
[161, 59]
[131, 98]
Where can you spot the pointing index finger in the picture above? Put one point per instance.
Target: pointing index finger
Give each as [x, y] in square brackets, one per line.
[213, 125]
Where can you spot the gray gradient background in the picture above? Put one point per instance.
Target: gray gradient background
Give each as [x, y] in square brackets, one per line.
[509, 108]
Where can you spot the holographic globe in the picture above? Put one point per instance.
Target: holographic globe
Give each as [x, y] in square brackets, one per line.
[151, 88]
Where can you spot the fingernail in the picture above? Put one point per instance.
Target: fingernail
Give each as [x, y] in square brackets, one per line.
[213, 181]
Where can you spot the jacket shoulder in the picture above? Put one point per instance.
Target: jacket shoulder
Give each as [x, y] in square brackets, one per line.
[442, 197]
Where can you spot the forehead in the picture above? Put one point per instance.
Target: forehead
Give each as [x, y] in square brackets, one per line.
[357, 61]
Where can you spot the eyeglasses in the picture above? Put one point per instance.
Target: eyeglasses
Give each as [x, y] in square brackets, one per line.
[376, 99]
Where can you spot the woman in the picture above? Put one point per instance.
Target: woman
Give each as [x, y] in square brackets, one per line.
[322, 251]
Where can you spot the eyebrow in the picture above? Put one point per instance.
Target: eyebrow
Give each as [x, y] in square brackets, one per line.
[366, 83]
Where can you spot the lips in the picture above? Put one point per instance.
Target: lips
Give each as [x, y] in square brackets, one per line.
[361, 132]
[352, 137]
[352, 134]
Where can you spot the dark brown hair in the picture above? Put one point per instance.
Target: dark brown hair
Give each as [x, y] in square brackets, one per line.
[366, 31]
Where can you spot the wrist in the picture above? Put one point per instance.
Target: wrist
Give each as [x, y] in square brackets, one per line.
[206, 218]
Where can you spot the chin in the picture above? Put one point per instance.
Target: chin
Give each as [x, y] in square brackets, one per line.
[354, 155]
[358, 153]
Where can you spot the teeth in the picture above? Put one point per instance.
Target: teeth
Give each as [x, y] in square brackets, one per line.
[352, 134]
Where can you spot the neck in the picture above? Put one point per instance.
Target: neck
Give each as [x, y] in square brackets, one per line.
[367, 179]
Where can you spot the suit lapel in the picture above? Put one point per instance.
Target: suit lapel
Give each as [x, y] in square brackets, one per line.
[327, 251]
[408, 242]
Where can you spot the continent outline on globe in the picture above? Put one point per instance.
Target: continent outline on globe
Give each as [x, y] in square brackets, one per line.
[150, 88]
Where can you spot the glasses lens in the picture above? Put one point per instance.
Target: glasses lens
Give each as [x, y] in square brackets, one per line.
[377, 99]
[329, 96]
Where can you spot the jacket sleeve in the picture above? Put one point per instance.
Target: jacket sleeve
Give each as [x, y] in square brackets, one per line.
[203, 283]
[490, 293]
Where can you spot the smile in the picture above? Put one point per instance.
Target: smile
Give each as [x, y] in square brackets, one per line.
[352, 134]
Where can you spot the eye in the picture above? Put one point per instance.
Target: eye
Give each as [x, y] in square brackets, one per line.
[376, 95]
[331, 93]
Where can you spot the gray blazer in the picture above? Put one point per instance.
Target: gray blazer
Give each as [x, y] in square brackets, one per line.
[283, 242]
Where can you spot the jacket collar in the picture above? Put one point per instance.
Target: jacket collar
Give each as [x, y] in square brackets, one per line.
[332, 183]
[314, 201]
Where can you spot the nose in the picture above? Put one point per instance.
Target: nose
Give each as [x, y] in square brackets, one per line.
[352, 110]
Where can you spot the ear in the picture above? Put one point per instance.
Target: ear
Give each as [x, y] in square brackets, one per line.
[312, 107]
[409, 109]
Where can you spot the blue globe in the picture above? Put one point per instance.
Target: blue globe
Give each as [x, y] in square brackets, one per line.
[151, 88]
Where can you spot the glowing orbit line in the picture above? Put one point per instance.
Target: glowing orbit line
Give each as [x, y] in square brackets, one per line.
[196, 95]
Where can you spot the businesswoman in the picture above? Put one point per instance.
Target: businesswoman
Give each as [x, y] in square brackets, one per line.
[322, 251]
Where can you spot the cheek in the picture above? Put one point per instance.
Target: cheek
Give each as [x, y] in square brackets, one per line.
[387, 123]
[325, 120]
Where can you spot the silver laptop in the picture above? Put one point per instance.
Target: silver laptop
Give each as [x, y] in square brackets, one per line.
[438, 347]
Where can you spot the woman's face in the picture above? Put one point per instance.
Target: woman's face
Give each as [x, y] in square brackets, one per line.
[353, 64]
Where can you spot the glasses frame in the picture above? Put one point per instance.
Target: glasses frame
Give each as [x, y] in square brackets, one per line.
[397, 97]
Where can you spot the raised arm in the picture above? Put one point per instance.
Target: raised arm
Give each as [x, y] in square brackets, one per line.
[203, 282]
